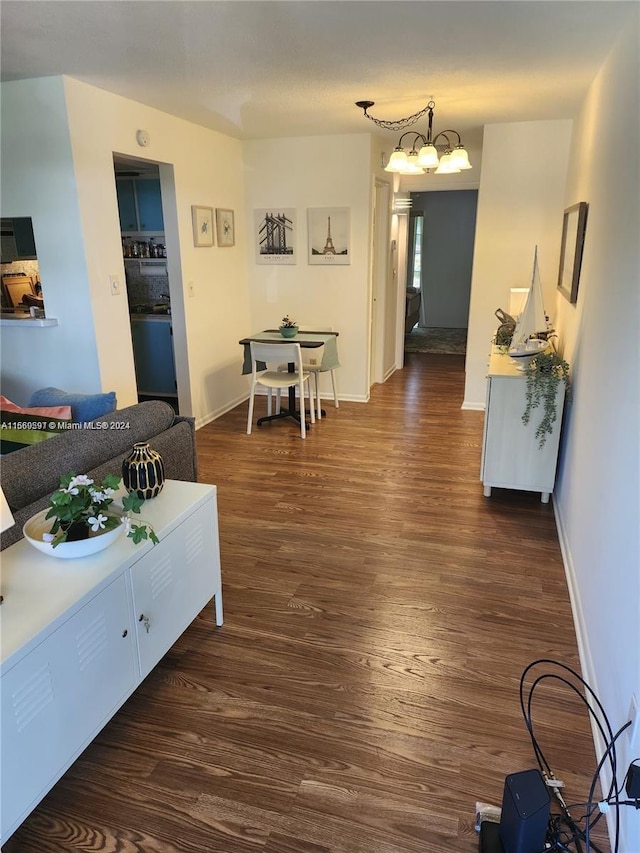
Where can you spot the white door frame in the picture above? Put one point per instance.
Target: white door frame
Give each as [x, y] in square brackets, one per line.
[399, 259]
[379, 278]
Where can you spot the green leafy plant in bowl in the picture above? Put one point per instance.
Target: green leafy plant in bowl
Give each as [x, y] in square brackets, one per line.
[288, 327]
[80, 508]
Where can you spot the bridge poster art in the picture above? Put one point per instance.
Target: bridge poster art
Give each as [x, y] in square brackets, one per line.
[275, 230]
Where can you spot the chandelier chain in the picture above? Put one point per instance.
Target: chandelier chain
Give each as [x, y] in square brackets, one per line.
[401, 123]
[439, 152]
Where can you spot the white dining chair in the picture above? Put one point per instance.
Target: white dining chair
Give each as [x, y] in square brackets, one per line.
[310, 364]
[276, 380]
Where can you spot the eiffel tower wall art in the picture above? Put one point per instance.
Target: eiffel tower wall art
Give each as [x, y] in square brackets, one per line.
[329, 235]
[275, 235]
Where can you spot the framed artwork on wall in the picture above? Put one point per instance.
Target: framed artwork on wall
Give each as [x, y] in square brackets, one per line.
[225, 227]
[202, 220]
[329, 235]
[275, 235]
[574, 226]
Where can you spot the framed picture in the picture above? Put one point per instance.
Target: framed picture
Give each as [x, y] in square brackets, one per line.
[573, 230]
[202, 219]
[275, 235]
[225, 228]
[329, 235]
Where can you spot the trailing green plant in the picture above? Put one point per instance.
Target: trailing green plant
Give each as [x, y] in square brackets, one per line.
[544, 374]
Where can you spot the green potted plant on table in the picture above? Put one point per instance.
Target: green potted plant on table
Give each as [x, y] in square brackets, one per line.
[85, 519]
[288, 327]
[544, 374]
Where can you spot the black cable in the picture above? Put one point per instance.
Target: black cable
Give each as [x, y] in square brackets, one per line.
[560, 837]
[582, 698]
[576, 833]
[610, 749]
[602, 733]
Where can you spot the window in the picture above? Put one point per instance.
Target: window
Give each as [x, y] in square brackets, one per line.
[414, 271]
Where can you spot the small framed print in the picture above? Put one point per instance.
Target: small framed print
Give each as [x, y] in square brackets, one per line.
[574, 225]
[202, 219]
[225, 227]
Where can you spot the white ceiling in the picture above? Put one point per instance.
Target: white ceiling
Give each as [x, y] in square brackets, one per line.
[266, 68]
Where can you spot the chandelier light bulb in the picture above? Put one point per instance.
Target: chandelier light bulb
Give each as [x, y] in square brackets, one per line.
[397, 160]
[428, 157]
[412, 166]
[460, 158]
[446, 167]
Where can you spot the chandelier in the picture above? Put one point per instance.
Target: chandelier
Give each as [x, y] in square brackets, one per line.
[442, 152]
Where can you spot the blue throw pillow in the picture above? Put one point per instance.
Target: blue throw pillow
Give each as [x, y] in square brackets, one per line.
[84, 407]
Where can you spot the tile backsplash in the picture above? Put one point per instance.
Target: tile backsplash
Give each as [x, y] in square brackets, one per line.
[143, 288]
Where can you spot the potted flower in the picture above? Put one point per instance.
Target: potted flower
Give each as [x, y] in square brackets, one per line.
[544, 374]
[288, 327]
[84, 517]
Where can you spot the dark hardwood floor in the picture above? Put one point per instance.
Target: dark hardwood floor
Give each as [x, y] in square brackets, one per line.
[362, 694]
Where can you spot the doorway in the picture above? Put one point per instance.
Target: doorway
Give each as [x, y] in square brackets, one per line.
[148, 284]
[442, 235]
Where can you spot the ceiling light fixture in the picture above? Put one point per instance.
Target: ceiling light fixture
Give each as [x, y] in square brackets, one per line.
[440, 152]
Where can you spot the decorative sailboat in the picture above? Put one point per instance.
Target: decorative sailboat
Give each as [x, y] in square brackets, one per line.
[525, 345]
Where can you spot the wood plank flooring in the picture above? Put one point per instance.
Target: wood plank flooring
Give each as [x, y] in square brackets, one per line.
[362, 694]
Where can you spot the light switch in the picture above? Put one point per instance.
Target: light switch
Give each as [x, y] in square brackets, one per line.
[116, 289]
[191, 288]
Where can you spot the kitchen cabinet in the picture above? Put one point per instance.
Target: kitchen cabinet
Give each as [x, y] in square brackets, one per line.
[140, 205]
[153, 355]
[149, 205]
[17, 240]
[511, 456]
[73, 645]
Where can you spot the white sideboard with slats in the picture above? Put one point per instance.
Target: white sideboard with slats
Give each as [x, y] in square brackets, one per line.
[511, 455]
[78, 636]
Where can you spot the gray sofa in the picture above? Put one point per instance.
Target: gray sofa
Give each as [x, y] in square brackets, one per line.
[29, 476]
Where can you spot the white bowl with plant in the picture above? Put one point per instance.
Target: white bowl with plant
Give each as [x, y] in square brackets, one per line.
[83, 518]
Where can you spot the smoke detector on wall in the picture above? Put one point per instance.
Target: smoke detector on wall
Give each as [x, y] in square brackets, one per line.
[143, 138]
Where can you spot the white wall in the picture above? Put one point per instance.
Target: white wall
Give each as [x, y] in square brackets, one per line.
[520, 205]
[597, 492]
[73, 202]
[38, 181]
[299, 173]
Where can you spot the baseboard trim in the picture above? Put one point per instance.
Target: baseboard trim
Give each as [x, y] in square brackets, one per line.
[212, 416]
[389, 373]
[584, 653]
[472, 407]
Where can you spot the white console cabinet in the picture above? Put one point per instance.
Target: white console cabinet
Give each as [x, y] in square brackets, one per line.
[78, 636]
[511, 456]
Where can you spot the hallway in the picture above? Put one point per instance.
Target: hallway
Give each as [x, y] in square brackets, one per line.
[362, 694]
